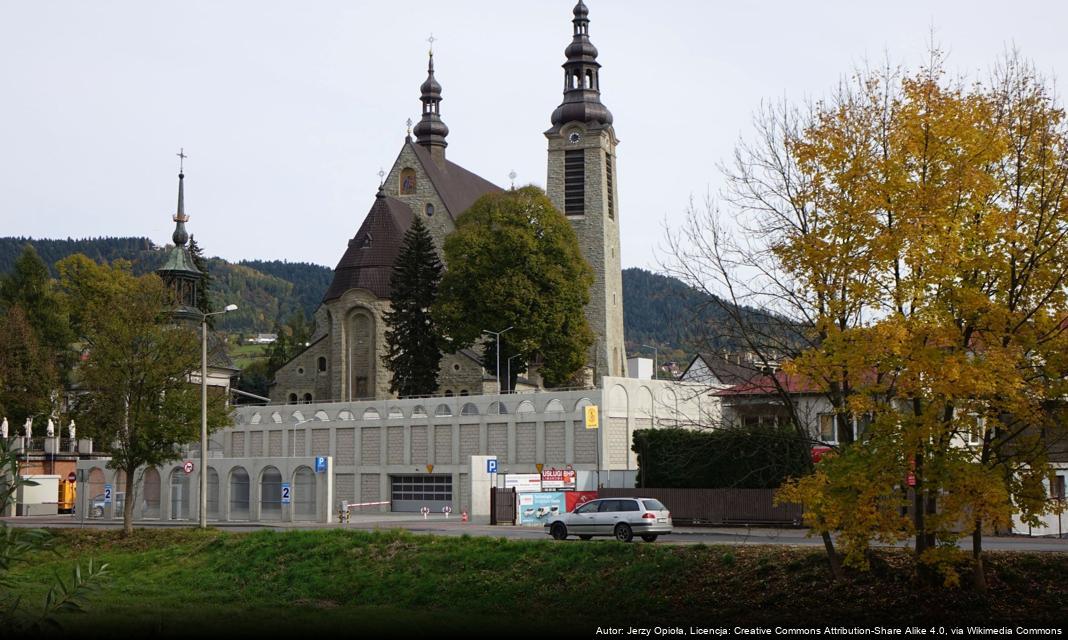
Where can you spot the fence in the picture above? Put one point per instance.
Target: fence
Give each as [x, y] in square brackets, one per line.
[718, 506]
[502, 506]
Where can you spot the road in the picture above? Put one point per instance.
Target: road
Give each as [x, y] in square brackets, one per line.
[437, 525]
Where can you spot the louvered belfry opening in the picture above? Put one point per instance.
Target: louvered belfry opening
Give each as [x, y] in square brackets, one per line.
[574, 182]
[608, 183]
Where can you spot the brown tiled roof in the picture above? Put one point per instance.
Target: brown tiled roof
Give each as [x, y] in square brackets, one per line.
[368, 261]
[458, 187]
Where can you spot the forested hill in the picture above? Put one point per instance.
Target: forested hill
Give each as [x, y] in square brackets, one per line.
[657, 310]
[265, 292]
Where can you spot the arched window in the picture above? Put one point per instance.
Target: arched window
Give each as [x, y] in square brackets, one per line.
[589, 79]
[271, 494]
[307, 397]
[407, 181]
[213, 494]
[180, 495]
[150, 486]
[429, 209]
[239, 494]
[361, 355]
[292, 398]
[448, 393]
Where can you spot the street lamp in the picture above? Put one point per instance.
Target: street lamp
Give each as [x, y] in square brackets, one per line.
[497, 334]
[204, 411]
[656, 354]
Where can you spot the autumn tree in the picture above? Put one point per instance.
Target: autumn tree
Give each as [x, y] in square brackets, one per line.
[138, 403]
[413, 343]
[514, 261]
[914, 227]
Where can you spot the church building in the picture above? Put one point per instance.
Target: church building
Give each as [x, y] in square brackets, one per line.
[343, 360]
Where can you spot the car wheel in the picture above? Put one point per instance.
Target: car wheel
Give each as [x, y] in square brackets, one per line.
[584, 537]
[98, 512]
[623, 532]
[650, 537]
[558, 531]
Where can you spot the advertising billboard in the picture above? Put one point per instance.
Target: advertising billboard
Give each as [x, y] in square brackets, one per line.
[523, 482]
[537, 508]
[558, 479]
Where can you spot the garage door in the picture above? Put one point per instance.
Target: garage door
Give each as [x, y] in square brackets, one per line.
[411, 493]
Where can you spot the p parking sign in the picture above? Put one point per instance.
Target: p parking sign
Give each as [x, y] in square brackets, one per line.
[320, 464]
[491, 466]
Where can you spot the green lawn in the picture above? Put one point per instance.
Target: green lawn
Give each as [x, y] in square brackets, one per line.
[244, 354]
[180, 582]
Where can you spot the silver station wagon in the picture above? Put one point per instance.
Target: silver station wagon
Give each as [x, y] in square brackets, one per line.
[622, 518]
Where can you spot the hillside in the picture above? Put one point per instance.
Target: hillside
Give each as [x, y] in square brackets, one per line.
[657, 310]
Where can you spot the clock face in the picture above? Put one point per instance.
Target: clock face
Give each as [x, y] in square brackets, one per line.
[574, 137]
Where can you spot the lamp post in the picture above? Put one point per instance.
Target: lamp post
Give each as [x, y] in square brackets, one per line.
[656, 354]
[497, 334]
[204, 412]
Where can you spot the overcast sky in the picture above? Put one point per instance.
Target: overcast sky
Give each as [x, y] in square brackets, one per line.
[287, 110]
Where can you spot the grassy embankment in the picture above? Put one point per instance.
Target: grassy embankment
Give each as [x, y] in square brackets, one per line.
[184, 582]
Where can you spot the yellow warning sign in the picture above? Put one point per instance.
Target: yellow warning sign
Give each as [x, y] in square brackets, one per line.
[430, 468]
[540, 466]
[592, 420]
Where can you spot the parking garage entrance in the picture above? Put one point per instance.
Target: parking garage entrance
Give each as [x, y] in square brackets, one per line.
[410, 493]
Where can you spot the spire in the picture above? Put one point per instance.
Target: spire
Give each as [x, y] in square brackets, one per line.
[180, 236]
[430, 131]
[582, 84]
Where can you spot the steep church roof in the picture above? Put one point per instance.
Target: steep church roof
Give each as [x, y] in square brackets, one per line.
[368, 261]
[458, 187]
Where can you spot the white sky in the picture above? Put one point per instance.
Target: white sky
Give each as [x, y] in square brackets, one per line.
[288, 109]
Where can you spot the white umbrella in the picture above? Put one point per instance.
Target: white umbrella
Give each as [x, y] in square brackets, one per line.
[70, 429]
[28, 427]
[50, 430]
[3, 428]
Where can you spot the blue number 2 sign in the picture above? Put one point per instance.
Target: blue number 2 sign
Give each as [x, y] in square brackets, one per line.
[286, 493]
[107, 494]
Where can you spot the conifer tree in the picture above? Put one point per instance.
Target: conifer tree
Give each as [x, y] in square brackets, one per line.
[412, 341]
[204, 302]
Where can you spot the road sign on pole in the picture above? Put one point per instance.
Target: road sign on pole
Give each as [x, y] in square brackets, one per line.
[71, 477]
[320, 464]
[287, 493]
[592, 419]
[491, 466]
[188, 467]
[107, 494]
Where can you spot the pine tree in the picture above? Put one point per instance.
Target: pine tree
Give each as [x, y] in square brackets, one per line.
[204, 302]
[412, 340]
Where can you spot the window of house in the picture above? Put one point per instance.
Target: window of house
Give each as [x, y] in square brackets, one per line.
[407, 181]
[1056, 487]
[429, 209]
[976, 431]
[861, 425]
[827, 427]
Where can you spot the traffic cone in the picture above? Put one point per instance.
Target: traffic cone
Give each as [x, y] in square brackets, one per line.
[463, 516]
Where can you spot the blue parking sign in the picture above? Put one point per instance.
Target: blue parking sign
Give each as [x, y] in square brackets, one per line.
[491, 466]
[320, 464]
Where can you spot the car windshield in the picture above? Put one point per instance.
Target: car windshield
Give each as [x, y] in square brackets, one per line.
[654, 505]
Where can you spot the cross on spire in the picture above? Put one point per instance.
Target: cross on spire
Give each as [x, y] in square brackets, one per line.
[181, 162]
[381, 176]
[409, 123]
[431, 40]
[511, 176]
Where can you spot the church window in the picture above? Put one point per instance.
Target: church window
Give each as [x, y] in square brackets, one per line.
[429, 209]
[455, 367]
[307, 397]
[463, 392]
[366, 242]
[300, 371]
[448, 392]
[574, 182]
[589, 79]
[292, 398]
[322, 363]
[361, 387]
[361, 350]
[407, 181]
[609, 182]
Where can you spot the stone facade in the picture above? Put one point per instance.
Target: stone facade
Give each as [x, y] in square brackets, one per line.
[598, 235]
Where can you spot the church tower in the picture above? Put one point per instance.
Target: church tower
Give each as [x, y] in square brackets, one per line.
[179, 273]
[582, 185]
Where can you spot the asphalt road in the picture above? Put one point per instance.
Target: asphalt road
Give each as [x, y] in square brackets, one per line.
[437, 525]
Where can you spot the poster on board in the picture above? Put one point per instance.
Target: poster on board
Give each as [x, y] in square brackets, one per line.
[538, 508]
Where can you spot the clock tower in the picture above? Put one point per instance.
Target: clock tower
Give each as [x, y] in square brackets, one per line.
[582, 185]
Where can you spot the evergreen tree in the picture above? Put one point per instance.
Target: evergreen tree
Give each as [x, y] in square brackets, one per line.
[27, 377]
[412, 341]
[204, 302]
[30, 287]
[279, 351]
